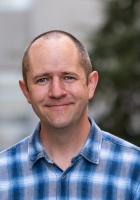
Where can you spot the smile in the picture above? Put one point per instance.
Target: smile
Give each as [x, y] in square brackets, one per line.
[59, 105]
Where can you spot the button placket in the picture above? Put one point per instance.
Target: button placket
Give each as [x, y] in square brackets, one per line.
[63, 176]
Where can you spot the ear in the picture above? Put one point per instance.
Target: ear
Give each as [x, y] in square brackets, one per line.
[92, 83]
[24, 89]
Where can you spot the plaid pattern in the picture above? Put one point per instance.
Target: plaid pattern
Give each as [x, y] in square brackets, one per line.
[107, 168]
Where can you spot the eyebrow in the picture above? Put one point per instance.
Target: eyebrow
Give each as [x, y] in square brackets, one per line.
[70, 72]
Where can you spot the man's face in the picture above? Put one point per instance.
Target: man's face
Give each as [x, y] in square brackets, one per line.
[57, 88]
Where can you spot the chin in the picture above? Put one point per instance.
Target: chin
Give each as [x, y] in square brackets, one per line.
[60, 124]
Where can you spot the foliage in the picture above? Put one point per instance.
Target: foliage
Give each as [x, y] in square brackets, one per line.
[116, 56]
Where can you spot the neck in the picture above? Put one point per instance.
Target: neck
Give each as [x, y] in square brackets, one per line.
[61, 145]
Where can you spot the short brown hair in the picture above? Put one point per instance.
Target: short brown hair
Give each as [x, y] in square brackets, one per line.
[83, 54]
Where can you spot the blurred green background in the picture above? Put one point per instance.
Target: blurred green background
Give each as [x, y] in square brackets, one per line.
[115, 54]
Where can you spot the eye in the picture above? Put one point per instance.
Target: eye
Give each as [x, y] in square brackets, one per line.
[42, 80]
[69, 78]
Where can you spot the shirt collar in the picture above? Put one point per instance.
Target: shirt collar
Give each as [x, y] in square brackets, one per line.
[92, 147]
[90, 151]
[35, 149]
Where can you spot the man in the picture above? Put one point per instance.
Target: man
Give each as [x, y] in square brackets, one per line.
[67, 156]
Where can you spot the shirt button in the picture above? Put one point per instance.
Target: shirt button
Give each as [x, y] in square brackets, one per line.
[63, 176]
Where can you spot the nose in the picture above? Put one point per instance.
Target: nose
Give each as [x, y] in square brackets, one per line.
[57, 88]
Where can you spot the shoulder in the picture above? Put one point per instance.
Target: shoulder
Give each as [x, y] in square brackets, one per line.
[122, 161]
[12, 162]
[116, 141]
[111, 141]
[120, 149]
[15, 152]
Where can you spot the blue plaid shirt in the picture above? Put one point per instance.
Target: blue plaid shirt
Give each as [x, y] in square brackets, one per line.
[107, 168]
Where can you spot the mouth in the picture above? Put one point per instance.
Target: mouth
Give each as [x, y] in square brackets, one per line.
[59, 105]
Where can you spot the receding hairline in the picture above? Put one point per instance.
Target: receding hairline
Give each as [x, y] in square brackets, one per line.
[45, 38]
[84, 59]
[57, 34]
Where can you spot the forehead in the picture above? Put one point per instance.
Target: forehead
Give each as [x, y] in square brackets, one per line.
[54, 49]
[54, 53]
[63, 43]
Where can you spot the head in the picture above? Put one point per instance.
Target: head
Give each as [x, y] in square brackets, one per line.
[58, 81]
[84, 59]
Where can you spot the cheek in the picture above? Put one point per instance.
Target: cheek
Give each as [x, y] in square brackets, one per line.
[80, 93]
[37, 94]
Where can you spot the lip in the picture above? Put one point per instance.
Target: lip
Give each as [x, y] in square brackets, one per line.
[59, 105]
